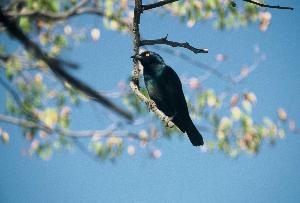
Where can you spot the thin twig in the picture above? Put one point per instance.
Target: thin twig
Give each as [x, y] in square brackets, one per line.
[157, 4]
[11, 91]
[105, 133]
[77, 10]
[268, 6]
[85, 150]
[53, 130]
[28, 112]
[50, 15]
[164, 40]
[23, 122]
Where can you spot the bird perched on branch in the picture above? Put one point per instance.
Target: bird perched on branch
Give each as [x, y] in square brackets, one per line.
[165, 89]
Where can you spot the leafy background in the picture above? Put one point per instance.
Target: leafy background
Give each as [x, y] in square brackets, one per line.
[182, 173]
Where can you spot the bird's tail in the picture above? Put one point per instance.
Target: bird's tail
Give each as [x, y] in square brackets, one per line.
[194, 135]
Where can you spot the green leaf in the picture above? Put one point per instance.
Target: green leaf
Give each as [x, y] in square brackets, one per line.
[25, 24]
[60, 41]
[45, 151]
[10, 105]
[13, 66]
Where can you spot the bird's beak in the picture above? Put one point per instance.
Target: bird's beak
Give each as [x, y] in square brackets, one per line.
[137, 57]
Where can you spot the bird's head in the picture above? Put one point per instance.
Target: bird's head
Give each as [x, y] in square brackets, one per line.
[149, 58]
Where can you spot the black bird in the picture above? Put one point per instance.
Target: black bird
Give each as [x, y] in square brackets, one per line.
[165, 89]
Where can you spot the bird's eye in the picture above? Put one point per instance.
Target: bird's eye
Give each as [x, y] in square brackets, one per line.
[147, 54]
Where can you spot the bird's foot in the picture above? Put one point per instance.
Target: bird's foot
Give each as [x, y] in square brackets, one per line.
[150, 104]
[167, 121]
[169, 118]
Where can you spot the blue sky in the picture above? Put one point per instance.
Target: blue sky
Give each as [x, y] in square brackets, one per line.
[182, 174]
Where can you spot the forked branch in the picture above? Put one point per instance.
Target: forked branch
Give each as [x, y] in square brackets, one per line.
[164, 40]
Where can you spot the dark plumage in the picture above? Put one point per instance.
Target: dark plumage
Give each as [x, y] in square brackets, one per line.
[165, 89]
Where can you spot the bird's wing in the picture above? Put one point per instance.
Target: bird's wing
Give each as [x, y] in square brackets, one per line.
[176, 99]
[173, 88]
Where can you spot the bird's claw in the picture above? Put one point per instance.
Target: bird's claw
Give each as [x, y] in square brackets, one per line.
[167, 121]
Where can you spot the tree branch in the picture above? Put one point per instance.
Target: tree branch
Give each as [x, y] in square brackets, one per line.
[157, 4]
[57, 66]
[165, 41]
[77, 10]
[136, 39]
[50, 15]
[106, 132]
[152, 106]
[11, 92]
[31, 124]
[134, 84]
[268, 6]
[23, 122]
